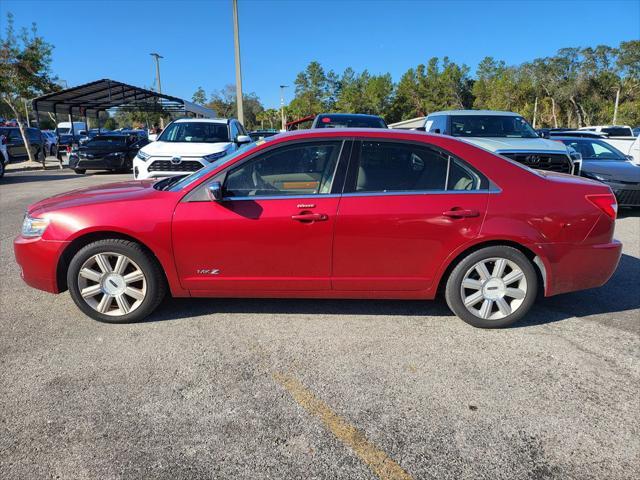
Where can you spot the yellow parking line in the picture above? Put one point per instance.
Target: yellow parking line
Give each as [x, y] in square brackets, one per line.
[378, 461]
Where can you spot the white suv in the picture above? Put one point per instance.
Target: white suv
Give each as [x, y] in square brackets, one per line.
[187, 145]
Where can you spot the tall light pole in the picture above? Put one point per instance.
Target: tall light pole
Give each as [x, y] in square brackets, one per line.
[284, 125]
[236, 41]
[158, 57]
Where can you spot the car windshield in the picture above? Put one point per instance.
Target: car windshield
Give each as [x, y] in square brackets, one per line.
[195, 176]
[595, 149]
[106, 141]
[500, 126]
[349, 121]
[64, 131]
[195, 132]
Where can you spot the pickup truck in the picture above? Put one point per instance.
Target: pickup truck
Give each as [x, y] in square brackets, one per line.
[620, 137]
[507, 134]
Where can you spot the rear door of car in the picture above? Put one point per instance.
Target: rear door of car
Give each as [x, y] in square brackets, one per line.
[405, 208]
[15, 145]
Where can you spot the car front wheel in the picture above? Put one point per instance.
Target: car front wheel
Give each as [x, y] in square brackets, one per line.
[492, 287]
[115, 281]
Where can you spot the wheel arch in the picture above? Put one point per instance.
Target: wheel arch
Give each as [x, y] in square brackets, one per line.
[534, 258]
[85, 239]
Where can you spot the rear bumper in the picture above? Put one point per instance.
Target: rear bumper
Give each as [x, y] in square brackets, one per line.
[38, 261]
[571, 267]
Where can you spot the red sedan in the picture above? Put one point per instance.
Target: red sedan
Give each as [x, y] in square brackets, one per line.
[329, 214]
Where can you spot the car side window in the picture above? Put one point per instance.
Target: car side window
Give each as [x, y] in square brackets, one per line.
[391, 167]
[301, 169]
[436, 124]
[461, 177]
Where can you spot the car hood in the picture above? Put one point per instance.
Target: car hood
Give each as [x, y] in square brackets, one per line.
[186, 149]
[617, 170]
[495, 144]
[110, 192]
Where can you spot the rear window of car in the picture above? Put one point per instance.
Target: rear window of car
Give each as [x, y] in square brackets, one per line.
[618, 131]
[102, 141]
[349, 121]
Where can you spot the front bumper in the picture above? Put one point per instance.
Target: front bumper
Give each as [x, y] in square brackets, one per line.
[572, 267]
[156, 167]
[104, 163]
[38, 261]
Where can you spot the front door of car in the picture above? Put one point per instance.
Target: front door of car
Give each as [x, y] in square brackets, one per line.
[406, 207]
[273, 229]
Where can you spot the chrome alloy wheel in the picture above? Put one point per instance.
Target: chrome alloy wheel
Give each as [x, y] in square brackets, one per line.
[493, 288]
[112, 284]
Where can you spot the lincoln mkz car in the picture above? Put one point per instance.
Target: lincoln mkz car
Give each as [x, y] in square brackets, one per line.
[335, 213]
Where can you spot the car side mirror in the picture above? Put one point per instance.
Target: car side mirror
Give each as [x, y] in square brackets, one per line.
[435, 130]
[215, 191]
[240, 139]
[629, 157]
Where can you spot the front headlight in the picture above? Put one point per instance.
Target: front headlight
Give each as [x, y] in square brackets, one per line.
[214, 156]
[34, 227]
[143, 156]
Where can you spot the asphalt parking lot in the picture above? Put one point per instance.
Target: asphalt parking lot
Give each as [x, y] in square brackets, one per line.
[314, 389]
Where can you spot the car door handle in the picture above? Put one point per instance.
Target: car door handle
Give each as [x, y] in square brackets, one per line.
[310, 217]
[461, 213]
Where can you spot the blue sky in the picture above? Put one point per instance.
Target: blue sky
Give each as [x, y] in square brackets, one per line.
[112, 39]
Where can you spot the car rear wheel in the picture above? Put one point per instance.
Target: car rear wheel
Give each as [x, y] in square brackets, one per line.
[115, 281]
[492, 287]
[80, 171]
[1, 167]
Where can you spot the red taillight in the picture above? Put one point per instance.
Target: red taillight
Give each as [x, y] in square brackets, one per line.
[605, 202]
[68, 148]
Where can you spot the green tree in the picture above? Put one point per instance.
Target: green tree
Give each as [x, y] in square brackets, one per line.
[25, 70]
[199, 97]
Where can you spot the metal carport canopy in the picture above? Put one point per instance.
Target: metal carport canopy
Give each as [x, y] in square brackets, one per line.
[91, 98]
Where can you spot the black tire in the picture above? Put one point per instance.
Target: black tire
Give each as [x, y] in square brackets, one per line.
[80, 171]
[156, 286]
[453, 291]
[1, 166]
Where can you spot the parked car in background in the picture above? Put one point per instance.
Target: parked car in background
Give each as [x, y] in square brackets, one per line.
[348, 120]
[15, 143]
[605, 163]
[260, 134]
[619, 136]
[92, 133]
[505, 133]
[51, 142]
[65, 128]
[574, 133]
[417, 214]
[114, 152]
[4, 156]
[187, 145]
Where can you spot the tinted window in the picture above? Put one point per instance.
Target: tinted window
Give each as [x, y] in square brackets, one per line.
[349, 121]
[505, 126]
[389, 167]
[234, 130]
[34, 135]
[293, 170]
[618, 131]
[107, 141]
[461, 177]
[196, 132]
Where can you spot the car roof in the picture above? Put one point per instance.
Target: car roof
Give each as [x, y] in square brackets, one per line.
[338, 115]
[476, 112]
[353, 132]
[224, 121]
